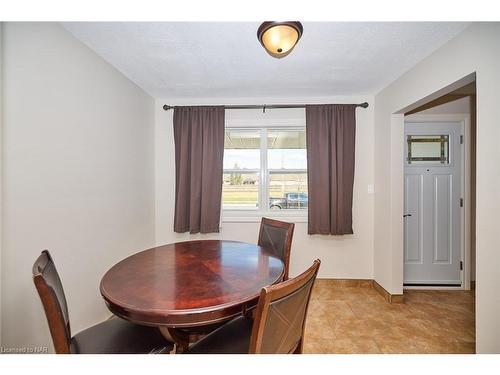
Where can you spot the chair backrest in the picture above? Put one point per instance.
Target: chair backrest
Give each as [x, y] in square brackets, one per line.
[276, 236]
[281, 315]
[49, 287]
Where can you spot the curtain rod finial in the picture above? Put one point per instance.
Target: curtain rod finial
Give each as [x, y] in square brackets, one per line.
[167, 107]
[364, 105]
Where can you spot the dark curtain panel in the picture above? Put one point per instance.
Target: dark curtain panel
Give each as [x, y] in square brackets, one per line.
[199, 152]
[331, 132]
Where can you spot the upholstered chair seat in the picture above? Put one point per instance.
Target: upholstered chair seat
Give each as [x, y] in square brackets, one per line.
[231, 338]
[117, 336]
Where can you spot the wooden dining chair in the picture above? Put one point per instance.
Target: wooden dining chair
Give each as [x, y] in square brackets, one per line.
[113, 336]
[278, 325]
[276, 236]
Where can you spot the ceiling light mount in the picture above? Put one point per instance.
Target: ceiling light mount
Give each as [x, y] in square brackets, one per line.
[279, 38]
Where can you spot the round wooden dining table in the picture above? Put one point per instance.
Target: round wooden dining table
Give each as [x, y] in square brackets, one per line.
[189, 284]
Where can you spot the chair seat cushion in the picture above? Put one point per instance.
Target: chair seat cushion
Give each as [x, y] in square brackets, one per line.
[232, 338]
[117, 336]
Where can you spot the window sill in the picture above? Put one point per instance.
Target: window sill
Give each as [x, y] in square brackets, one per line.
[256, 217]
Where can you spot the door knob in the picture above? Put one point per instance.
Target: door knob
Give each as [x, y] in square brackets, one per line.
[405, 215]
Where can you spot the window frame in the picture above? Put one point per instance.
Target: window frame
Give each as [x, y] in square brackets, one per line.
[247, 215]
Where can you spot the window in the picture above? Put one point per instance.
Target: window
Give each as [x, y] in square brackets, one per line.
[265, 169]
[427, 149]
[287, 169]
[242, 165]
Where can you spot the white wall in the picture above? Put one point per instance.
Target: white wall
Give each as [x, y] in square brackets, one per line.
[342, 256]
[78, 174]
[475, 50]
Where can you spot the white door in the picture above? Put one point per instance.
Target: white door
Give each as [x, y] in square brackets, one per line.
[433, 204]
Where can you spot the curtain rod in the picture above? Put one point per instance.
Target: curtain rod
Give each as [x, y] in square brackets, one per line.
[167, 107]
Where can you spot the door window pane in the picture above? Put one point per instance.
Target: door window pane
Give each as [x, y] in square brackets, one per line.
[427, 149]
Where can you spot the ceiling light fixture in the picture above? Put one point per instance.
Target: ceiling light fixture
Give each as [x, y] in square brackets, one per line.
[279, 38]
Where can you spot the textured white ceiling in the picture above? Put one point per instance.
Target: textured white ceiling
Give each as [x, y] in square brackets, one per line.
[218, 59]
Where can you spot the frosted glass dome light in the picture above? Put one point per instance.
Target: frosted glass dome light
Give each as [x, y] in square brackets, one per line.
[279, 38]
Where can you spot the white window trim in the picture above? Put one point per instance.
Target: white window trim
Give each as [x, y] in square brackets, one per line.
[253, 216]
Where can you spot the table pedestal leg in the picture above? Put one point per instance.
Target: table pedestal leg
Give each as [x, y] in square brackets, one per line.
[179, 338]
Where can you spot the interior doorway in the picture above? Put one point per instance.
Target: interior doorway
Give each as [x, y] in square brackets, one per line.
[439, 192]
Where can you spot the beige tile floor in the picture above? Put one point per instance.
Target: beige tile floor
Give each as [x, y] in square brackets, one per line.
[359, 320]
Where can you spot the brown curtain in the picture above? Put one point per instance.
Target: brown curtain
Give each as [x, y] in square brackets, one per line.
[199, 152]
[331, 131]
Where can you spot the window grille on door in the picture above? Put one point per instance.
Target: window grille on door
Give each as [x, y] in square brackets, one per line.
[427, 149]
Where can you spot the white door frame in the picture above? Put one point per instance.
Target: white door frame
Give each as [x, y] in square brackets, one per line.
[465, 214]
